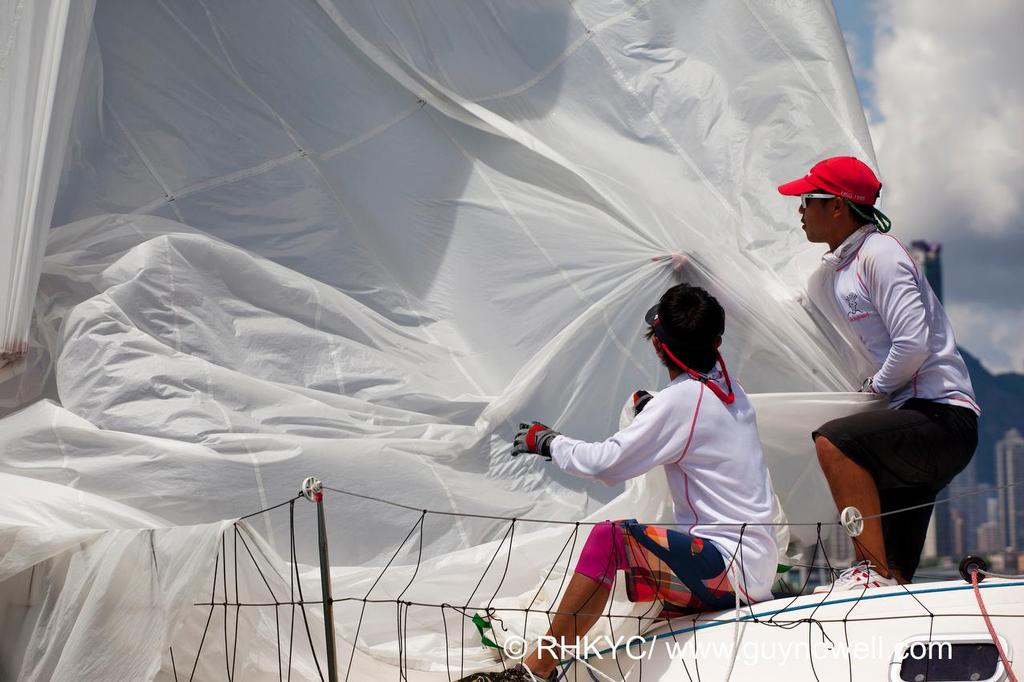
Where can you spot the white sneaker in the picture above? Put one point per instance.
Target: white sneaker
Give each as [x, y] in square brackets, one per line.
[858, 577]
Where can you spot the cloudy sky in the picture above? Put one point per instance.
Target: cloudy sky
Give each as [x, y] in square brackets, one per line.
[943, 86]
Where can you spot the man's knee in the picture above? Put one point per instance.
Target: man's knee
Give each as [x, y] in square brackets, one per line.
[833, 462]
[828, 454]
[836, 464]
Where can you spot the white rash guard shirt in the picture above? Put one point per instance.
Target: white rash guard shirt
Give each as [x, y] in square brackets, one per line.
[898, 318]
[715, 469]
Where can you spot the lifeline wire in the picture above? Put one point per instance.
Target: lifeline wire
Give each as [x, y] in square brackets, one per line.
[228, 571]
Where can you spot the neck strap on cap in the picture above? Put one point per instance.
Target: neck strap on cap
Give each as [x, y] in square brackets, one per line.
[663, 339]
[876, 216]
[727, 396]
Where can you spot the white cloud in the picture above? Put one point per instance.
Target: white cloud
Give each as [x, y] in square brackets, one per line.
[948, 88]
[992, 333]
[949, 135]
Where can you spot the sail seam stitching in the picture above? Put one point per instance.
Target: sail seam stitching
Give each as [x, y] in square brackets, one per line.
[574, 47]
[656, 120]
[168, 197]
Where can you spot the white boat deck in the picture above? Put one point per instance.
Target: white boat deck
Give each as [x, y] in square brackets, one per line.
[844, 636]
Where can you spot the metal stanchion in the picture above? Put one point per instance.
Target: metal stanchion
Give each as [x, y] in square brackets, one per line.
[312, 490]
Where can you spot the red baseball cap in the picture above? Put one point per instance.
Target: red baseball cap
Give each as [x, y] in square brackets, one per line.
[843, 176]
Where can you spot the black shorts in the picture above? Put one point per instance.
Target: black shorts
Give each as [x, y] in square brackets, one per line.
[912, 453]
[923, 444]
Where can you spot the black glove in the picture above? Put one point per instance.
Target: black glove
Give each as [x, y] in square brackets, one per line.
[534, 438]
[640, 400]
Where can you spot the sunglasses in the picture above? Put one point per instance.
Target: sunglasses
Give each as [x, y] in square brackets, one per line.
[805, 197]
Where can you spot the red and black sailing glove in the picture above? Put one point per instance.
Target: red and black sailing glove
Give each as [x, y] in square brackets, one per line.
[868, 386]
[533, 438]
[640, 400]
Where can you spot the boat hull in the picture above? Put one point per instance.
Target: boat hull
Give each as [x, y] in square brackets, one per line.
[844, 636]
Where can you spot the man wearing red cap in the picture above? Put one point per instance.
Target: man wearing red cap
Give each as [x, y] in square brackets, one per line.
[872, 290]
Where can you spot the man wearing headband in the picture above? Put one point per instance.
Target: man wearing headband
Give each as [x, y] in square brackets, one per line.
[872, 290]
[701, 429]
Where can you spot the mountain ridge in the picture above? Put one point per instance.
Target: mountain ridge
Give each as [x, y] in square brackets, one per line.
[1001, 398]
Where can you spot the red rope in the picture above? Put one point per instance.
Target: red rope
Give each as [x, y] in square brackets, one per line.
[991, 628]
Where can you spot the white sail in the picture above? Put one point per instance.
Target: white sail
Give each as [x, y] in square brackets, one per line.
[363, 240]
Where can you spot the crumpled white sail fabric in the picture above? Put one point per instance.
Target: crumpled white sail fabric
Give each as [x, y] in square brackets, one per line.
[362, 241]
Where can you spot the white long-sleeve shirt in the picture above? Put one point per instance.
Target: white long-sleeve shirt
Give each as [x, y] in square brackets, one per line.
[896, 315]
[715, 469]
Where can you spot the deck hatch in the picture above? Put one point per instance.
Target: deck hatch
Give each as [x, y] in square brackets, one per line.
[956, 658]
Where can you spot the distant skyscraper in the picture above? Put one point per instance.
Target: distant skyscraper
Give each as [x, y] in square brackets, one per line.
[931, 547]
[942, 516]
[968, 499]
[959, 501]
[989, 539]
[959, 540]
[928, 256]
[1010, 470]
